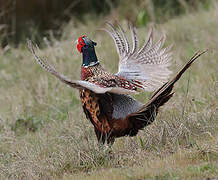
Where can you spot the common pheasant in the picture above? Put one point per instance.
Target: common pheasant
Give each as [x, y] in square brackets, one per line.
[105, 97]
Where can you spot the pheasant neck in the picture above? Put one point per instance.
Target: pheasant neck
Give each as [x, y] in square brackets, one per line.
[89, 57]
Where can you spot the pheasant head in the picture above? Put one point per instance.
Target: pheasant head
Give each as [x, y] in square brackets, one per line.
[87, 47]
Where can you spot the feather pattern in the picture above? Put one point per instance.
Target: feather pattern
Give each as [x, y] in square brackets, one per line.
[100, 83]
[127, 46]
[148, 65]
[103, 95]
[135, 40]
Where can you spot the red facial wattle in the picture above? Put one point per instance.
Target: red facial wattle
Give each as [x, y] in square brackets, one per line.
[81, 43]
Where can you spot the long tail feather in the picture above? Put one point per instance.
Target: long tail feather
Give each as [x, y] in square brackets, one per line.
[146, 115]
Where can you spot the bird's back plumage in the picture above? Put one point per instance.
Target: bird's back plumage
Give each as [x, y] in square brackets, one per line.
[105, 97]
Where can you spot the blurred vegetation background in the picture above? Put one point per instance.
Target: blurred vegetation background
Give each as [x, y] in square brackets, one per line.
[44, 133]
[38, 18]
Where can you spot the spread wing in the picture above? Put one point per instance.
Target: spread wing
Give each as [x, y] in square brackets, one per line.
[78, 84]
[148, 65]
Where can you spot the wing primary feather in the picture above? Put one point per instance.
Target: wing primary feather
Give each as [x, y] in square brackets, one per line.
[160, 43]
[147, 45]
[135, 40]
[125, 38]
[156, 47]
[165, 50]
[117, 34]
[45, 65]
[116, 41]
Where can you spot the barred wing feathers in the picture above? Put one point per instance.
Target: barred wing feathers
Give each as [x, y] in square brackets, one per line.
[148, 65]
[78, 84]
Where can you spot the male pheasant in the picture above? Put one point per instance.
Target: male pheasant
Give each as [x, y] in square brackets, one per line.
[105, 97]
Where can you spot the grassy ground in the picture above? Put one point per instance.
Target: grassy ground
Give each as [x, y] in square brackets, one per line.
[45, 135]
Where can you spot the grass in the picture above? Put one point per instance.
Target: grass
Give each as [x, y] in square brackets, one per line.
[45, 135]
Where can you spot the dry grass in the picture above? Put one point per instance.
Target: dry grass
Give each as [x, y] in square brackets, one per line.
[45, 135]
